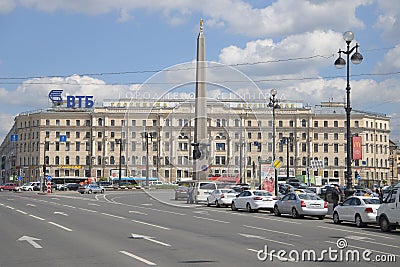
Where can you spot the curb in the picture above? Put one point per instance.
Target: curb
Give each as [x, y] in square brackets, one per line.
[170, 204]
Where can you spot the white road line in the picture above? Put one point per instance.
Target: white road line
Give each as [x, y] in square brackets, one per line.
[354, 232]
[147, 204]
[68, 206]
[88, 210]
[158, 242]
[32, 205]
[62, 227]
[115, 216]
[9, 207]
[149, 224]
[266, 239]
[93, 204]
[138, 258]
[208, 219]
[389, 253]
[20, 211]
[273, 219]
[137, 212]
[36, 217]
[269, 230]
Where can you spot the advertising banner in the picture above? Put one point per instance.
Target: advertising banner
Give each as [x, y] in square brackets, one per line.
[357, 148]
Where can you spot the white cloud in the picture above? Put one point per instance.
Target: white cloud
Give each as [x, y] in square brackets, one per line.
[389, 19]
[391, 61]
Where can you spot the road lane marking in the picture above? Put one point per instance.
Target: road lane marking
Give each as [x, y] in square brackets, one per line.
[88, 210]
[20, 211]
[149, 238]
[69, 206]
[36, 217]
[62, 227]
[353, 232]
[9, 207]
[137, 212]
[32, 205]
[61, 213]
[93, 204]
[158, 242]
[273, 219]
[30, 240]
[115, 216]
[149, 224]
[383, 252]
[208, 219]
[266, 239]
[138, 258]
[147, 204]
[269, 230]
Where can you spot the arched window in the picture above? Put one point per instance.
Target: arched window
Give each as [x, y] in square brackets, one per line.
[99, 160]
[57, 160]
[291, 123]
[122, 159]
[336, 161]
[303, 123]
[77, 159]
[100, 122]
[67, 160]
[326, 161]
[112, 160]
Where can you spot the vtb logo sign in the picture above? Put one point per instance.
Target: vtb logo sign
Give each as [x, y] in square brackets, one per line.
[72, 101]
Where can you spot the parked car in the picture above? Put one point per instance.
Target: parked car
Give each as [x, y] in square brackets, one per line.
[181, 192]
[72, 186]
[388, 213]
[221, 197]
[299, 205]
[8, 186]
[31, 186]
[358, 209]
[90, 188]
[254, 200]
[201, 190]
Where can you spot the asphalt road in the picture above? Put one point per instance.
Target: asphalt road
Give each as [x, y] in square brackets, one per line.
[130, 228]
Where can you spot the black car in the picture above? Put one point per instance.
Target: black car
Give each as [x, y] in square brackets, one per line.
[72, 186]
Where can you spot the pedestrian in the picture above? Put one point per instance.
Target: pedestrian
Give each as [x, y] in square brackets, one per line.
[381, 194]
[335, 196]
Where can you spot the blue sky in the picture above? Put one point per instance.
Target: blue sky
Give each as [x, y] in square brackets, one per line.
[70, 44]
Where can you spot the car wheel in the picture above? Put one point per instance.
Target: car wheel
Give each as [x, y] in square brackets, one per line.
[233, 206]
[384, 224]
[248, 208]
[29, 189]
[208, 203]
[358, 221]
[276, 211]
[336, 219]
[295, 214]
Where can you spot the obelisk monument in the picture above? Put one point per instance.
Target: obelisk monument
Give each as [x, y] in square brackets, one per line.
[201, 143]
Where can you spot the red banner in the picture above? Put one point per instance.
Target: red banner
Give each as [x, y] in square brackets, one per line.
[357, 148]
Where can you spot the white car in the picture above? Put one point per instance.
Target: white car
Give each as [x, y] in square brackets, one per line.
[30, 186]
[358, 209]
[254, 200]
[221, 197]
[301, 204]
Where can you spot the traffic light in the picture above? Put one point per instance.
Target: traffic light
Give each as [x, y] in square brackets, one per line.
[196, 153]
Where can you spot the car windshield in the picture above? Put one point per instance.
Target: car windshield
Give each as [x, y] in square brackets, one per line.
[228, 191]
[372, 201]
[309, 197]
[262, 194]
[207, 186]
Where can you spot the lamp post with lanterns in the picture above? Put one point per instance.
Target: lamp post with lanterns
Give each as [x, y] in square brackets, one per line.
[274, 104]
[356, 58]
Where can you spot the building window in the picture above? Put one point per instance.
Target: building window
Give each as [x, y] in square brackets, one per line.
[112, 160]
[326, 148]
[304, 147]
[57, 122]
[280, 123]
[315, 148]
[78, 123]
[87, 135]
[77, 135]
[326, 137]
[77, 160]
[325, 123]
[67, 146]
[133, 122]
[336, 148]
[315, 136]
[87, 122]
[57, 160]
[87, 146]
[303, 123]
[99, 134]
[99, 146]
[291, 123]
[315, 124]
[335, 124]
[47, 122]
[336, 136]
[67, 160]
[336, 161]
[112, 122]
[143, 122]
[57, 146]
[68, 122]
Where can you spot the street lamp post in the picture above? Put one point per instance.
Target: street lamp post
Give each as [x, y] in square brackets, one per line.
[147, 135]
[356, 58]
[119, 142]
[274, 104]
[288, 141]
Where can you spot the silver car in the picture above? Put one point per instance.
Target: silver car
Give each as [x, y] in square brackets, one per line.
[299, 205]
[90, 188]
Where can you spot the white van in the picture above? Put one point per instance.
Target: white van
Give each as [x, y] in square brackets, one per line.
[388, 213]
[202, 190]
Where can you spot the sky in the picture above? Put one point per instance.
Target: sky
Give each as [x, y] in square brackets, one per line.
[110, 49]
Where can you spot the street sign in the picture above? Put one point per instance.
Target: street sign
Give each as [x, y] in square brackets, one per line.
[277, 164]
[358, 177]
[255, 143]
[49, 178]
[19, 178]
[14, 138]
[63, 138]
